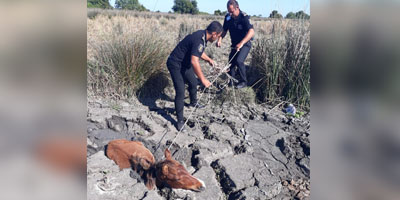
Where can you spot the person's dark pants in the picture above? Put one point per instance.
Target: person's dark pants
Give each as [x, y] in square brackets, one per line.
[181, 75]
[238, 61]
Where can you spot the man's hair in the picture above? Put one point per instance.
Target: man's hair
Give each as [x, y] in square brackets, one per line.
[215, 26]
[232, 2]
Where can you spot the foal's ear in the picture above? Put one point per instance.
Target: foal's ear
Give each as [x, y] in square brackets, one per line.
[167, 154]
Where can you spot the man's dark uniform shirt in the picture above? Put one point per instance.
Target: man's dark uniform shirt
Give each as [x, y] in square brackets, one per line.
[181, 70]
[238, 27]
[193, 44]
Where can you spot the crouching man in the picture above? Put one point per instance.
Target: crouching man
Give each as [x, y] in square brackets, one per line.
[183, 64]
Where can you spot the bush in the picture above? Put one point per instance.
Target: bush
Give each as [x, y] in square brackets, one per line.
[283, 63]
[120, 65]
[184, 30]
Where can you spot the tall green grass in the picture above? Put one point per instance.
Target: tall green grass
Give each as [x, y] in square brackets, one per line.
[282, 60]
[122, 63]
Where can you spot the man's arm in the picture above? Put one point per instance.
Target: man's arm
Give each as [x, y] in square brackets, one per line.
[207, 59]
[198, 72]
[248, 37]
[220, 38]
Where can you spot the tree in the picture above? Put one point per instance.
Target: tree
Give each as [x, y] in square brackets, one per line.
[298, 15]
[185, 6]
[275, 14]
[99, 4]
[290, 15]
[129, 5]
[302, 15]
[218, 12]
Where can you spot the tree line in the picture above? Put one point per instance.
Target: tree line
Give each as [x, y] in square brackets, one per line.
[182, 7]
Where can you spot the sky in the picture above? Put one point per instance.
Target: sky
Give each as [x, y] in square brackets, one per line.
[251, 7]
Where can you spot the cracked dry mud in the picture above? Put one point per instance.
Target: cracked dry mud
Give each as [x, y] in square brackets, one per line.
[240, 152]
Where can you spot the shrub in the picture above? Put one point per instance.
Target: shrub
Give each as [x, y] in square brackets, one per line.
[121, 64]
[184, 30]
[283, 65]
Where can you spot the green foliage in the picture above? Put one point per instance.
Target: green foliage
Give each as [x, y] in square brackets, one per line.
[185, 6]
[99, 4]
[275, 14]
[290, 15]
[297, 15]
[220, 13]
[129, 5]
[302, 15]
[282, 61]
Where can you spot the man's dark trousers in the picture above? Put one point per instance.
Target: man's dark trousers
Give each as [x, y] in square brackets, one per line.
[238, 61]
[181, 75]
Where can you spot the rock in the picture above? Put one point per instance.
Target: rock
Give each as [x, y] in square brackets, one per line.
[150, 124]
[183, 140]
[213, 190]
[99, 162]
[117, 124]
[164, 135]
[248, 193]
[270, 185]
[196, 133]
[152, 195]
[128, 115]
[91, 127]
[210, 150]
[91, 147]
[183, 155]
[223, 133]
[103, 136]
[136, 129]
[105, 181]
[271, 118]
[100, 115]
[300, 195]
[305, 164]
[237, 171]
[182, 194]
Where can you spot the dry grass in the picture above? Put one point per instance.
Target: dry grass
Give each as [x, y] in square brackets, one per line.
[118, 40]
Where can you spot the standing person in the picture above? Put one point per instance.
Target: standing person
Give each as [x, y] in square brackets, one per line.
[183, 64]
[241, 32]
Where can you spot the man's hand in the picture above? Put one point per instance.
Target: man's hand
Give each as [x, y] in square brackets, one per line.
[206, 83]
[211, 62]
[219, 43]
[239, 46]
